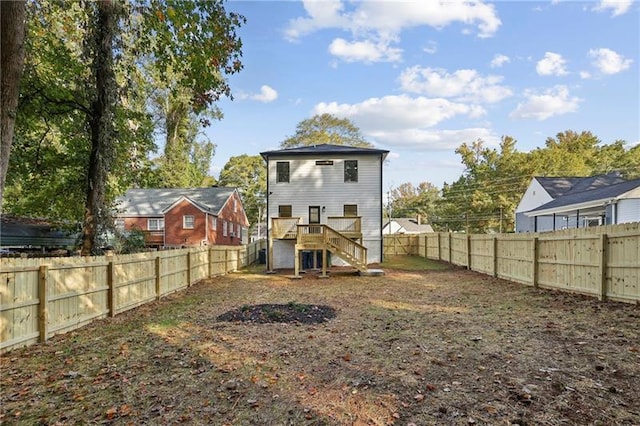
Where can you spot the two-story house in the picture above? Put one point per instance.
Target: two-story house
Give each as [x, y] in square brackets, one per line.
[325, 198]
[184, 217]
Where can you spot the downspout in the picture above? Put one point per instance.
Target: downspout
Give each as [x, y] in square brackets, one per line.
[268, 233]
[206, 227]
[554, 221]
[381, 218]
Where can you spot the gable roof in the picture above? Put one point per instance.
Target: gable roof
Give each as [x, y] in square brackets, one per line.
[586, 199]
[560, 186]
[154, 202]
[410, 225]
[325, 149]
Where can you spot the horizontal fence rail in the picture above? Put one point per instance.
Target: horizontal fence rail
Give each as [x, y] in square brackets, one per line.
[40, 298]
[603, 262]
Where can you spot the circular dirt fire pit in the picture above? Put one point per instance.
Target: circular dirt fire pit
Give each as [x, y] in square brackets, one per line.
[280, 313]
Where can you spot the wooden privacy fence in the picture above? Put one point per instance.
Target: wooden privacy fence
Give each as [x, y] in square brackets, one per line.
[43, 297]
[601, 261]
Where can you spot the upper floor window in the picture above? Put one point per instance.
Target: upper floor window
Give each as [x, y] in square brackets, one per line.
[235, 205]
[350, 210]
[155, 224]
[282, 171]
[214, 223]
[284, 211]
[224, 228]
[351, 170]
[188, 222]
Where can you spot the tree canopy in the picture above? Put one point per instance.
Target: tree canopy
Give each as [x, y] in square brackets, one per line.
[86, 124]
[326, 129]
[248, 173]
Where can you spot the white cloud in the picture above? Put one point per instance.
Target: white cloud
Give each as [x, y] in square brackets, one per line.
[585, 75]
[499, 60]
[433, 139]
[464, 85]
[617, 7]
[267, 94]
[544, 105]
[379, 23]
[399, 112]
[404, 121]
[431, 47]
[609, 62]
[551, 64]
[364, 51]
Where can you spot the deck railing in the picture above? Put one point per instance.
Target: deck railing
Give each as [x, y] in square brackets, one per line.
[284, 228]
[323, 235]
[345, 224]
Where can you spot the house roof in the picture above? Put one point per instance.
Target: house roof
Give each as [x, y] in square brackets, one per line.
[559, 186]
[325, 149]
[154, 202]
[587, 198]
[410, 225]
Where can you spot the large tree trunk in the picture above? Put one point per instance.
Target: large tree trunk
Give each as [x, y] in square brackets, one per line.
[100, 123]
[12, 37]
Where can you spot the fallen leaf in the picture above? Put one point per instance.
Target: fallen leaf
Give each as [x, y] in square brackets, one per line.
[347, 357]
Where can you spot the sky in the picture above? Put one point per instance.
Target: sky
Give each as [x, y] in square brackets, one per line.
[419, 78]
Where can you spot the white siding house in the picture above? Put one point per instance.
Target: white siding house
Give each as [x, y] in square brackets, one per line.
[338, 187]
[551, 204]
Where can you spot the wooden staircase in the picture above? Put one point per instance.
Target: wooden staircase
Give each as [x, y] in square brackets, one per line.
[325, 238]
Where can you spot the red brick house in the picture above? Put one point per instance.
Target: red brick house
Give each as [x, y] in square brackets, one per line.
[184, 217]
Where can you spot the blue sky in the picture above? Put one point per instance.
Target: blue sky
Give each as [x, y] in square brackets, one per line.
[419, 78]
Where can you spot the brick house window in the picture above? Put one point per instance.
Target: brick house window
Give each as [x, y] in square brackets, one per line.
[351, 170]
[282, 171]
[188, 222]
[224, 228]
[214, 223]
[155, 224]
[284, 211]
[119, 224]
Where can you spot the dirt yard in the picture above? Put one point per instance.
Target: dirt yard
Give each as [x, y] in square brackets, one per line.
[409, 348]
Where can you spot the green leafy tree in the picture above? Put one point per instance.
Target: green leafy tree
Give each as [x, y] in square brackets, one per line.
[486, 195]
[412, 201]
[248, 173]
[83, 118]
[326, 129]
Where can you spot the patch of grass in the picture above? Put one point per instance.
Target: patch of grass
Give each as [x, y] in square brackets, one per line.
[412, 346]
[413, 263]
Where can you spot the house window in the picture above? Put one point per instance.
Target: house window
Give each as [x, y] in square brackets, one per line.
[284, 211]
[282, 171]
[351, 170]
[119, 224]
[188, 222]
[214, 223]
[155, 224]
[235, 205]
[224, 228]
[350, 210]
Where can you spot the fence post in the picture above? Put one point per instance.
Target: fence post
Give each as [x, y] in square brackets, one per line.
[450, 247]
[43, 313]
[495, 256]
[468, 251]
[111, 291]
[438, 245]
[189, 268]
[603, 266]
[238, 263]
[158, 277]
[226, 260]
[535, 254]
[209, 261]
